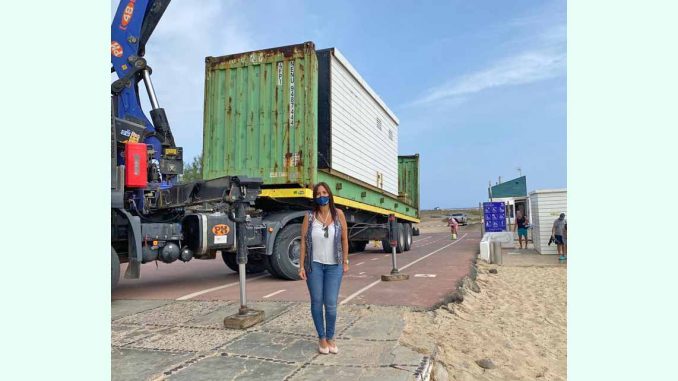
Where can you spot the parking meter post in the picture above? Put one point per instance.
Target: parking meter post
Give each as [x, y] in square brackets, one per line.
[393, 240]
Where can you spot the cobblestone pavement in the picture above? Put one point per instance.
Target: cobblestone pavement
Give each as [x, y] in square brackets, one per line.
[186, 340]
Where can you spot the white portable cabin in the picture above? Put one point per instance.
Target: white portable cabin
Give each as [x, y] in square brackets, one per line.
[363, 141]
[545, 207]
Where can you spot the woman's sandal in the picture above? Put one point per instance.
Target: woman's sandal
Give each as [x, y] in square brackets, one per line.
[333, 348]
[322, 350]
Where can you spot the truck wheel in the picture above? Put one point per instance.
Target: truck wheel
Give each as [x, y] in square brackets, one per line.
[400, 247]
[252, 267]
[269, 266]
[115, 269]
[286, 252]
[386, 245]
[408, 237]
[356, 246]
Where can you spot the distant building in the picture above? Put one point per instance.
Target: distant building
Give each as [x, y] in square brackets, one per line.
[546, 205]
[514, 194]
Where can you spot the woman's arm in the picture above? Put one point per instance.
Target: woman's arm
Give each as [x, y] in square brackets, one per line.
[344, 235]
[302, 254]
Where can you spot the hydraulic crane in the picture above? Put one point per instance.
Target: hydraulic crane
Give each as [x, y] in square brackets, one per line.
[153, 216]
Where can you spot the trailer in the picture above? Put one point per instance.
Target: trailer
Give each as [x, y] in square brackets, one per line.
[295, 117]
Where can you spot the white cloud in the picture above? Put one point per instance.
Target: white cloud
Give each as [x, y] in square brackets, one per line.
[546, 59]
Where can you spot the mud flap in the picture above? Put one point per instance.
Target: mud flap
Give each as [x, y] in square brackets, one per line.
[133, 246]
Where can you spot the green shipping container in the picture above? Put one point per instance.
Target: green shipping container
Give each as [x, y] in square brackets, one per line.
[261, 120]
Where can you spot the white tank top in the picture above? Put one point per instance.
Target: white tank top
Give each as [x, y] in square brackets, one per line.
[323, 248]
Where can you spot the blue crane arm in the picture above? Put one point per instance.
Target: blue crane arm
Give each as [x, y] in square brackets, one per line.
[131, 28]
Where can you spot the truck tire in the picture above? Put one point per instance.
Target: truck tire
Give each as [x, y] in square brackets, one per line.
[408, 237]
[252, 267]
[286, 251]
[115, 269]
[386, 245]
[400, 247]
[269, 266]
[356, 246]
[400, 243]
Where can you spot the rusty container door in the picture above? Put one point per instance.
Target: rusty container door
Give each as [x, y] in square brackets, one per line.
[408, 179]
[261, 115]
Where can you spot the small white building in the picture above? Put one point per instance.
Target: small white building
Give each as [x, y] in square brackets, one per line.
[545, 207]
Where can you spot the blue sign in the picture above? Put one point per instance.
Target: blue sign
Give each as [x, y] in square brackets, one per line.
[495, 216]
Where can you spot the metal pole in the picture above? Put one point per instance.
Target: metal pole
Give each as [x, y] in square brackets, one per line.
[482, 222]
[496, 252]
[393, 232]
[150, 90]
[241, 256]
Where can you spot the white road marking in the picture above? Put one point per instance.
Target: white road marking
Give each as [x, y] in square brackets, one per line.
[353, 295]
[198, 293]
[361, 273]
[358, 264]
[273, 293]
[421, 276]
[375, 259]
[428, 255]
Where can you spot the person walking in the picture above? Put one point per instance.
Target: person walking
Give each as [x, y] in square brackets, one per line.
[521, 225]
[559, 232]
[323, 261]
[454, 226]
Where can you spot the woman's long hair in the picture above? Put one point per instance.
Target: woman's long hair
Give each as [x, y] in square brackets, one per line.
[316, 207]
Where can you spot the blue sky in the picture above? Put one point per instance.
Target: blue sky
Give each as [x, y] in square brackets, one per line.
[479, 87]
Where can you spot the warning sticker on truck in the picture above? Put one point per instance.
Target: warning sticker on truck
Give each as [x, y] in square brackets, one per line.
[221, 239]
[220, 229]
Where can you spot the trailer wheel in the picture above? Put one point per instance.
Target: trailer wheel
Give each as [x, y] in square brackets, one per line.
[286, 252]
[115, 269]
[399, 244]
[400, 247]
[252, 267]
[386, 245]
[356, 246]
[408, 237]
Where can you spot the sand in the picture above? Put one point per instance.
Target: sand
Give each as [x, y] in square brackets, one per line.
[518, 320]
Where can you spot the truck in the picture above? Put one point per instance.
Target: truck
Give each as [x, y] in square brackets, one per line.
[296, 116]
[275, 124]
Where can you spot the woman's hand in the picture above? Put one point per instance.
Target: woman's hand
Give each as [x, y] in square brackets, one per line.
[345, 267]
[302, 273]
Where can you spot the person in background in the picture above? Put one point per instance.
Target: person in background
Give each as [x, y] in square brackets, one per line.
[521, 226]
[559, 232]
[454, 226]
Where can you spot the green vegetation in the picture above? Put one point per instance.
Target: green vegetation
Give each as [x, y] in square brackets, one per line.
[192, 171]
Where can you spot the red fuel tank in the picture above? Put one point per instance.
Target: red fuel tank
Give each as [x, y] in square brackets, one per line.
[136, 165]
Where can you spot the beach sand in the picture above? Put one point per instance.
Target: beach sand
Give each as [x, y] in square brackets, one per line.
[518, 320]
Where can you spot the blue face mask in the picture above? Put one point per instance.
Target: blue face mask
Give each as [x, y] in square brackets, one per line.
[324, 200]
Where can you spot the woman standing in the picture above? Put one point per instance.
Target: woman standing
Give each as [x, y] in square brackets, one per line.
[324, 259]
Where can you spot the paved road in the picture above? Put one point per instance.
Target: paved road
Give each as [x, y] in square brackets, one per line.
[435, 265]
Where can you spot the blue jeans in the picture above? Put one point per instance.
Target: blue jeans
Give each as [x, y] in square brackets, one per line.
[323, 284]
